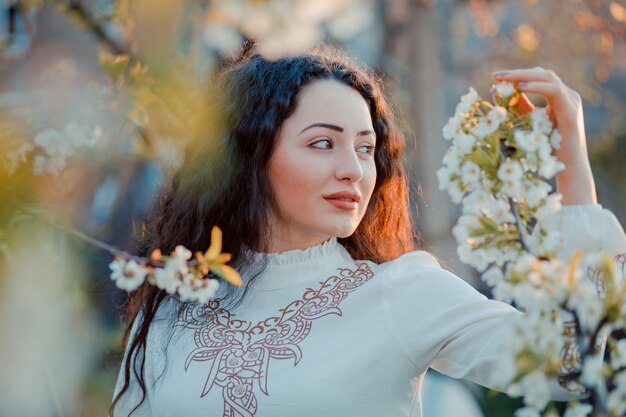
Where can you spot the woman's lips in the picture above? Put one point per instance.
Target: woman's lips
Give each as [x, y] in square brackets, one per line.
[343, 203]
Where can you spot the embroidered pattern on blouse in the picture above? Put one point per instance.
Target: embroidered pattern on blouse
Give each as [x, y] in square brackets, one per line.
[240, 352]
[570, 357]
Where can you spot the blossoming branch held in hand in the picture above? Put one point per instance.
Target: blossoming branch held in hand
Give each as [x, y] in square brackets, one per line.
[498, 167]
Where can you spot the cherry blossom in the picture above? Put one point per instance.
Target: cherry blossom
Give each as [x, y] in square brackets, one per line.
[499, 175]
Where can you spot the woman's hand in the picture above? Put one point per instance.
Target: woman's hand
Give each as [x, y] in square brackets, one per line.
[565, 109]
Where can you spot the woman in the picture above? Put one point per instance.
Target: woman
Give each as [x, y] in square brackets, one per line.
[340, 315]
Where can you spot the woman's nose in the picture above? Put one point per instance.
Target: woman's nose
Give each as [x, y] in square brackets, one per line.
[348, 166]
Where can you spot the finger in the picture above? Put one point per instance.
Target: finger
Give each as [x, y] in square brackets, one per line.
[523, 104]
[532, 74]
[551, 115]
[553, 92]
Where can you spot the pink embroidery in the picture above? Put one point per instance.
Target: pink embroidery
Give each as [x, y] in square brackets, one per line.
[570, 358]
[240, 352]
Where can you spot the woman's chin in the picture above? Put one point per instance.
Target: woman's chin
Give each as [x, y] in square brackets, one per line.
[344, 233]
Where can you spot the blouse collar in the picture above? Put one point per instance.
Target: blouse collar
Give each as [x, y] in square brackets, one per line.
[290, 268]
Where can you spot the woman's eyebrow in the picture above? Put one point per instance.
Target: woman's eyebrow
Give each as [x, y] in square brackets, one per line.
[337, 128]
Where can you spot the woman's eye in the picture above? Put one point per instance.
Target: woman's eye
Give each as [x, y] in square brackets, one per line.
[367, 149]
[322, 144]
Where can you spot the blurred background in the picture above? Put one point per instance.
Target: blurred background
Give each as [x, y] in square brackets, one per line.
[98, 96]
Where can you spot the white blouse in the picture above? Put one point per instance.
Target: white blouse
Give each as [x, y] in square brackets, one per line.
[321, 334]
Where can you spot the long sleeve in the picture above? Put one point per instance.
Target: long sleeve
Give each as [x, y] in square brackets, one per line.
[133, 395]
[442, 322]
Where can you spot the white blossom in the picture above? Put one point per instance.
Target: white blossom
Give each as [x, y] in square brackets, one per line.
[551, 205]
[503, 292]
[460, 232]
[592, 371]
[80, 135]
[505, 89]
[467, 100]
[528, 297]
[555, 139]
[58, 146]
[222, 37]
[201, 293]
[498, 210]
[470, 173]
[498, 115]
[54, 143]
[476, 200]
[537, 193]
[443, 177]
[512, 188]
[510, 170]
[117, 269]
[550, 166]
[178, 261]
[545, 241]
[551, 343]
[551, 242]
[529, 273]
[464, 226]
[208, 292]
[474, 257]
[527, 412]
[618, 356]
[530, 141]
[127, 275]
[578, 410]
[491, 122]
[511, 253]
[585, 300]
[452, 159]
[495, 256]
[487, 183]
[479, 259]
[167, 279]
[50, 165]
[616, 401]
[464, 143]
[524, 262]
[16, 156]
[492, 276]
[454, 189]
[453, 126]
[536, 390]
[540, 120]
[469, 221]
[530, 162]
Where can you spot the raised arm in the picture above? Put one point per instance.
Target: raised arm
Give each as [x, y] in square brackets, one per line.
[565, 110]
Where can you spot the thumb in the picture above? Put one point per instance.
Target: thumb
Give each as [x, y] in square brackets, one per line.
[522, 105]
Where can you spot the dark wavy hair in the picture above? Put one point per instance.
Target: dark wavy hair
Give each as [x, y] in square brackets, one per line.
[224, 179]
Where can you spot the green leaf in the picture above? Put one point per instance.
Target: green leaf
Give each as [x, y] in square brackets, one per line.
[480, 157]
[488, 224]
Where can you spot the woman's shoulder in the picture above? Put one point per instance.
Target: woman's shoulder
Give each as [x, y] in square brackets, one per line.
[410, 261]
[421, 272]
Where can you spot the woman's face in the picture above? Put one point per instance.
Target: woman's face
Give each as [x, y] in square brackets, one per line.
[322, 170]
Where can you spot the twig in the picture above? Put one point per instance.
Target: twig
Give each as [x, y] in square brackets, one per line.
[118, 49]
[518, 222]
[78, 234]
[97, 30]
[90, 240]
